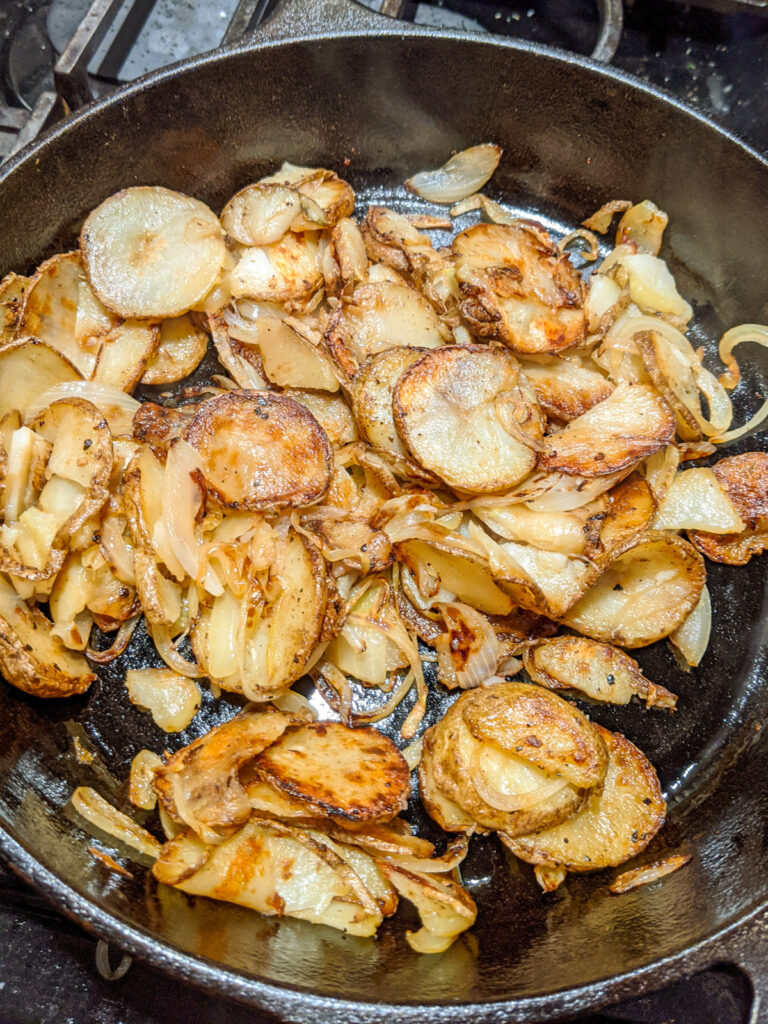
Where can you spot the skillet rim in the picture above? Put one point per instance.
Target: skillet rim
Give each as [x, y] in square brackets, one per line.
[285, 1000]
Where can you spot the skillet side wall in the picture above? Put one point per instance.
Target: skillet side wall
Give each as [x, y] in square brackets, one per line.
[573, 138]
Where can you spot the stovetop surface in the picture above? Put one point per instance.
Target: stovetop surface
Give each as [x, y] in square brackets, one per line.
[716, 61]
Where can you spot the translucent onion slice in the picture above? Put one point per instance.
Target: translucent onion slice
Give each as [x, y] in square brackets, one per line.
[517, 789]
[171, 699]
[99, 812]
[758, 333]
[471, 644]
[463, 174]
[692, 637]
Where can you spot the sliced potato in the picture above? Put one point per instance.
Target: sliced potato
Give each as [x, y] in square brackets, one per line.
[158, 425]
[261, 450]
[345, 261]
[696, 501]
[351, 774]
[518, 288]
[125, 353]
[439, 807]
[644, 596]
[744, 478]
[289, 359]
[152, 253]
[451, 572]
[599, 671]
[366, 549]
[199, 785]
[329, 192]
[31, 658]
[445, 909]
[13, 288]
[331, 412]
[465, 415]
[141, 791]
[180, 350]
[260, 214]
[380, 316]
[564, 387]
[618, 820]
[629, 425]
[171, 699]
[285, 271]
[372, 391]
[242, 362]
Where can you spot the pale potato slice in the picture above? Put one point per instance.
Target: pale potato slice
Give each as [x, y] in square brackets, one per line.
[125, 353]
[599, 671]
[518, 288]
[260, 214]
[372, 391]
[171, 699]
[629, 425]
[445, 909]
[350, 774]
[696, 501]
[377, 317]
[180, 350]
[261, 450]
[152, 253]
[673, 378]
[345, 261]
[331, 412]
[31, 658]
[199, 785]
[273, 869]
[50, 310]
[465, 414]
[242, 362]
[565, 387]
[618, 820]
[644, 596]
[539, 727]
[745, 480]
[330, 193]
[288, 359]
[452, 572]
[285, 271]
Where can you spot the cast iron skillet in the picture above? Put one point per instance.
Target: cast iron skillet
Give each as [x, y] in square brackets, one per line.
[391, 100]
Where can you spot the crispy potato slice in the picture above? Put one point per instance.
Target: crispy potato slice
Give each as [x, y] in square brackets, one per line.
[261, 450]
[329, 192]
[331, 412]
[465, 414]
[285, 271]
[261, 213]
[273, 869]
[539, 726]
[180, 350]
[372, 391]
[31, 658]
[696, 501]
[50, 310]
[289, 359]
[13, 288]
[518, 288]
[351, 774]
[498, 789]
[629, 425]
[565, 387]
[199, 785]
[345, 261]
[158, 425]
[172, 699]
[152, 253]
[380, 316]
[744, 478]
[368, 550]
[599, 671]
[451, 572]
[644, 596]
[439, 807]
[125, 353]
[618, 820]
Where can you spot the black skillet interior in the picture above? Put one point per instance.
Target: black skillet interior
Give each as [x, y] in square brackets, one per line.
[573, 138]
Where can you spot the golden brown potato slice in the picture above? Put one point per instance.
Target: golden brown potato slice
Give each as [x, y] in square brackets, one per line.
[618, 820]
[329, 192]
[260, 214]
[744, 478]
[331, 412]
[50, 311]
[518, 288]
[13, 288]
[440, 808]
[379, 316]
[289, 358]
[539, 726]
[366, 549]
[372, 391]
[599, 671]
[261, 450]
[180, 350]
[285, 271]
[274, 869]
[695, 500]
[565, 387]
[445, 572]
[199, 785]
[31, 658]
[644, 596]
[467, 416]
[158, 425]
[351, 774]
[345, 261]
[125, 353]
[152, 253]
[629, 425]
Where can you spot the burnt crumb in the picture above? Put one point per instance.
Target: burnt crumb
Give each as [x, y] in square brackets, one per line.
[610, 680]
[533, 741]
[618, 587]
[101, 425]
[634, 836]
[87, 443]
[647, 800]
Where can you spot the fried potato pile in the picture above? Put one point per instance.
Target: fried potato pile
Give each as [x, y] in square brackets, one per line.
[408, 451]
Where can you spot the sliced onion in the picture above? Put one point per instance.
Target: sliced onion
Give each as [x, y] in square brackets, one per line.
[601, 219]
[119, 645]
[488, 791]
[592, 251]
[484, 648]
[692, 637]
[412, 753]
[182, 498]
[758, 333]
[99, 812]
[161, 637]
[117, 407]
[463, 174]
[117, 550]
[295, 703]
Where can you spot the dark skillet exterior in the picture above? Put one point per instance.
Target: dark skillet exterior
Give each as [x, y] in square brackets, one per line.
[574, 136]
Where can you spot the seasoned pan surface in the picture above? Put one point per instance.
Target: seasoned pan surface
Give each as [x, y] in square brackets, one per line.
[574, 136]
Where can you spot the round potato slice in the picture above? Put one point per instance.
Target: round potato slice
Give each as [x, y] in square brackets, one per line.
[456, 574]
[260, 214]
[180, 350]
[617, 821]
[331, 412]
[261, 450]
[439, 807]
[744, 478]
[455, 409]
[644, 596]
[372, 397]
[287, 270]
[352, 774]
[152, 253]
[29, 368]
